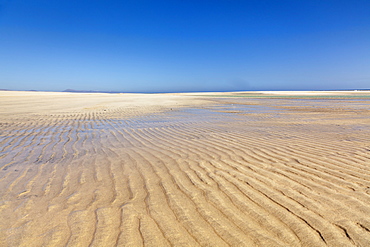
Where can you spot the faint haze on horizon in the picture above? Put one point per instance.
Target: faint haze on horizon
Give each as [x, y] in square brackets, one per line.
[172, 46]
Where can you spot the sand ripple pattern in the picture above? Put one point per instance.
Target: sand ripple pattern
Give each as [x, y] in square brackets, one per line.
[236, 172]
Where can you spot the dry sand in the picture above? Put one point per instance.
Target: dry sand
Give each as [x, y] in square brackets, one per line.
[254, 169]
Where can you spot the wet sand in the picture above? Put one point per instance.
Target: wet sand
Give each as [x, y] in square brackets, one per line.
[200, 169]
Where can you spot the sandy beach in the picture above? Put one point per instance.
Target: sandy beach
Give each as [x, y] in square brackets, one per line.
[194, 169]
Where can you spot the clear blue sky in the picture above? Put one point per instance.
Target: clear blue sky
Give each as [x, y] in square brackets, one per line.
[156, 46]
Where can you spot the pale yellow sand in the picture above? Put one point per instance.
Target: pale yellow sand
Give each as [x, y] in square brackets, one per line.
[184, 169]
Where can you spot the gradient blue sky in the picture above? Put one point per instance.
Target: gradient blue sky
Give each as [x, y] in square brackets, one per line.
[163, 46]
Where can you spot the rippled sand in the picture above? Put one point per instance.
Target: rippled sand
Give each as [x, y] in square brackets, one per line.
[206, 169]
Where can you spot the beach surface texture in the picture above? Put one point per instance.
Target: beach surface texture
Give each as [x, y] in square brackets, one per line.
[195, 169]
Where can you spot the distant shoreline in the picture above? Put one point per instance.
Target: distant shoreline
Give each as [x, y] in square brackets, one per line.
[169, 92]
